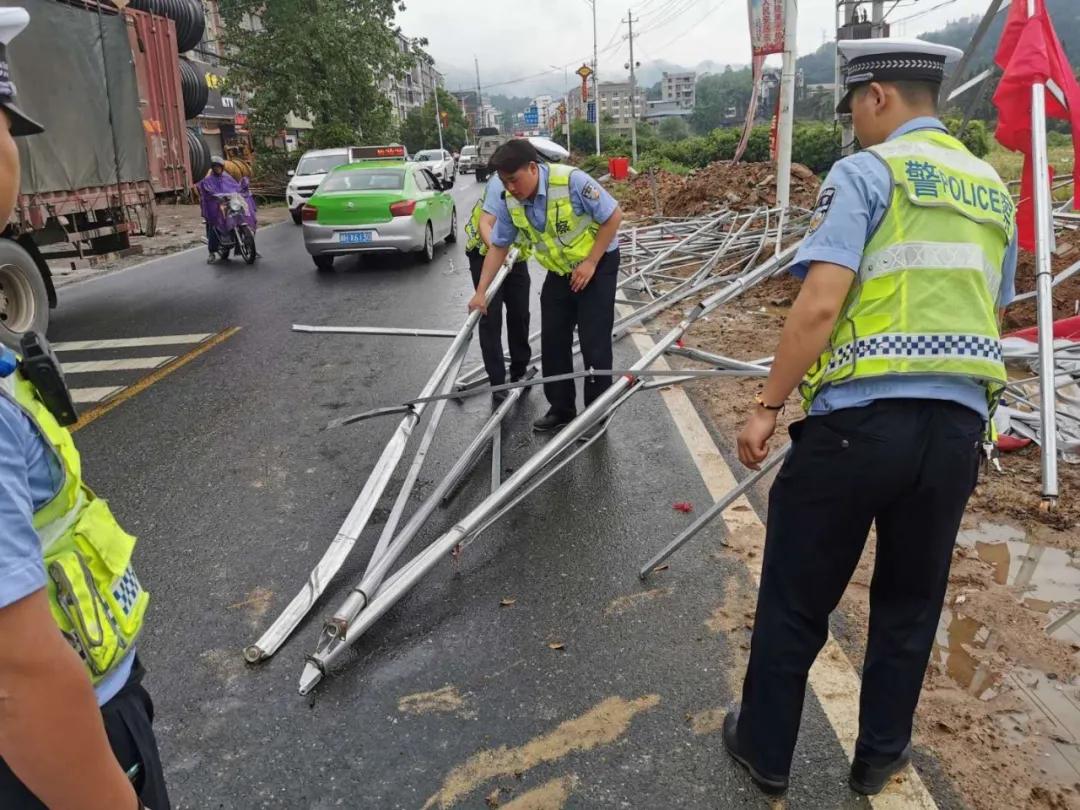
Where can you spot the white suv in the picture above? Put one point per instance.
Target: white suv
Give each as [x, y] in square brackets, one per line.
[309, 172]
[439, 162]
[467, 161]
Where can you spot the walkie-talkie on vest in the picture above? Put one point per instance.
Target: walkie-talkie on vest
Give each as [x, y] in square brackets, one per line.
[40, 366]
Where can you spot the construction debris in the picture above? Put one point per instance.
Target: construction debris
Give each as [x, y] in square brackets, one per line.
[711, 259]
[735, 186]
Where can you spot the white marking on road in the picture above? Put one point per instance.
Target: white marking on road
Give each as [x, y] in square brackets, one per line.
[120, 364]
[84, 396]
[128, 343]
[832, 677]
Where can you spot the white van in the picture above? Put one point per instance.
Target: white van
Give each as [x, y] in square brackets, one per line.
[309, 172]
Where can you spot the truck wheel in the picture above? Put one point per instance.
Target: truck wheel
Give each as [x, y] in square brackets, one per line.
[24, 301]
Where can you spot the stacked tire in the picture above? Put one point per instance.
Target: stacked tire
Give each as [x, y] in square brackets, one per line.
[193, 87]
[188, 16]
[199, 152]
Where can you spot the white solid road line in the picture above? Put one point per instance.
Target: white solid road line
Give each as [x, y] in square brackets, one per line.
[120, 364]
[87, 396]
[127, 343]
[832, 677]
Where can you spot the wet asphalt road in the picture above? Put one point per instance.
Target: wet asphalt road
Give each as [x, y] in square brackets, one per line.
[224, 471]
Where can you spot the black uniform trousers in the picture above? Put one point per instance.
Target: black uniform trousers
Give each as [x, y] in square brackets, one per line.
[128, 719]
[514, 294]
[906, 465]
[592, 311]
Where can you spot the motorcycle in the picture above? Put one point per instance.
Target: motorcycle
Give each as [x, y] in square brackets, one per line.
[235, 225]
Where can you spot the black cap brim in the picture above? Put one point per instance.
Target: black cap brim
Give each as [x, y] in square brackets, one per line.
[844, 107]
[21, 123]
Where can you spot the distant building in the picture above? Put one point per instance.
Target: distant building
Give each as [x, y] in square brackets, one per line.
[678, 88]
[657, 111]
[615, 101]
[411, 90]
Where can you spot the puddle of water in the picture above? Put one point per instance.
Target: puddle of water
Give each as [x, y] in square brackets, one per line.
[1048, 583]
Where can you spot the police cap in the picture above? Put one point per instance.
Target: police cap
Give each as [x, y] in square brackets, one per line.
[892, 60]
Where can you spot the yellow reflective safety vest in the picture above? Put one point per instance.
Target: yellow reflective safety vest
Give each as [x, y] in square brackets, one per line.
[94, 595]
[925, 299]
[476, 241]
[567, 238]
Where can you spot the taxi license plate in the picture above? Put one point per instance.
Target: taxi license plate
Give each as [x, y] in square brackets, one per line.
[353, 237]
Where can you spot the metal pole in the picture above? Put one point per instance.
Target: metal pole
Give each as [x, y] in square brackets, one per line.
[479, 99]
[714, 510]
[355, 522]
[373, 330]
[633, 89]
[787, 117]
[438, 120]
[877, 18]
[394, 588]
[1044, 291]
[595, 78]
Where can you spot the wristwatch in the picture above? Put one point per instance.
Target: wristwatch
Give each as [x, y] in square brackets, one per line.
[762, 403]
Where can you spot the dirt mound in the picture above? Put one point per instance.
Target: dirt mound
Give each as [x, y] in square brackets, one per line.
[720, 184]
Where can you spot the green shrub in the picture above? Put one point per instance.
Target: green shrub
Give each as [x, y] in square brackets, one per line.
[816, 146]
[974, 137]
[654, 161]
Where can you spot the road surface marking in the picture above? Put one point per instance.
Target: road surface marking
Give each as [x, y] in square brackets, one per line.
[128, 343]
[832, 677]
[153, 377]
[85, 396]
[119, 364]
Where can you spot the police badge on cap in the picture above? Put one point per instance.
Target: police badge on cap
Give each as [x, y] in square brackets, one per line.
[892, 60]
[12, 21]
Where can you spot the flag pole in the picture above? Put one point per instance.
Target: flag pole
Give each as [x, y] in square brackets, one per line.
[787, 116]
[1044, 236]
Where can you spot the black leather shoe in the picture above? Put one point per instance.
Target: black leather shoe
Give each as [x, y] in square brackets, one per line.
[553, 420]
[869, 780]
[771, 785]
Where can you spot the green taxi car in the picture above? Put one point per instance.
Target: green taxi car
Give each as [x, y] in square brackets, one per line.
[378, 205]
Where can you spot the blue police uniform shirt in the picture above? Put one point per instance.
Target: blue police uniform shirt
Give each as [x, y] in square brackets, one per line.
[860, 188]
[30, 476]
[587, 197]
[493, 195]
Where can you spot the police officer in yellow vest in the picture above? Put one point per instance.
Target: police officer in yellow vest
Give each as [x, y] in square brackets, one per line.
[893, 346]
[71, 607]
[514, 293]
[571, 224]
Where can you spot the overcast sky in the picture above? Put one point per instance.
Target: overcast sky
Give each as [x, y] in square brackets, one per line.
[520, 38]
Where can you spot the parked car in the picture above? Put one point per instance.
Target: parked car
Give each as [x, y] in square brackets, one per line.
[439, 162]
[467, 161]
[378, 206]
[309, 172]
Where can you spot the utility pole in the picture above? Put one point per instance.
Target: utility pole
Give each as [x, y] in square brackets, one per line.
[438, 118]
[633, 87]
[787, 115]
[595, 78]
[877, 18]
[479, 99]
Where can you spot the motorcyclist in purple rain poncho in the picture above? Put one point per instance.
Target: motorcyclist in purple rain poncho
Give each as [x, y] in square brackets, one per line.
[216, 183]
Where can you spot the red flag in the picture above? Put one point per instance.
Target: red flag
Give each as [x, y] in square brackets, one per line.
[1030, 52]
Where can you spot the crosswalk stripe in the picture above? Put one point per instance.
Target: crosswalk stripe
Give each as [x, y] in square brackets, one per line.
[119, 364]
[84, 396]
[128, 343]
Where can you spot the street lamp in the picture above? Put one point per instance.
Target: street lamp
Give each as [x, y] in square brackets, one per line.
[595, 79]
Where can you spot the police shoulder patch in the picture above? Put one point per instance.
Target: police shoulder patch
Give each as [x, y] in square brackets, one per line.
[821, 210]
[591, 192]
